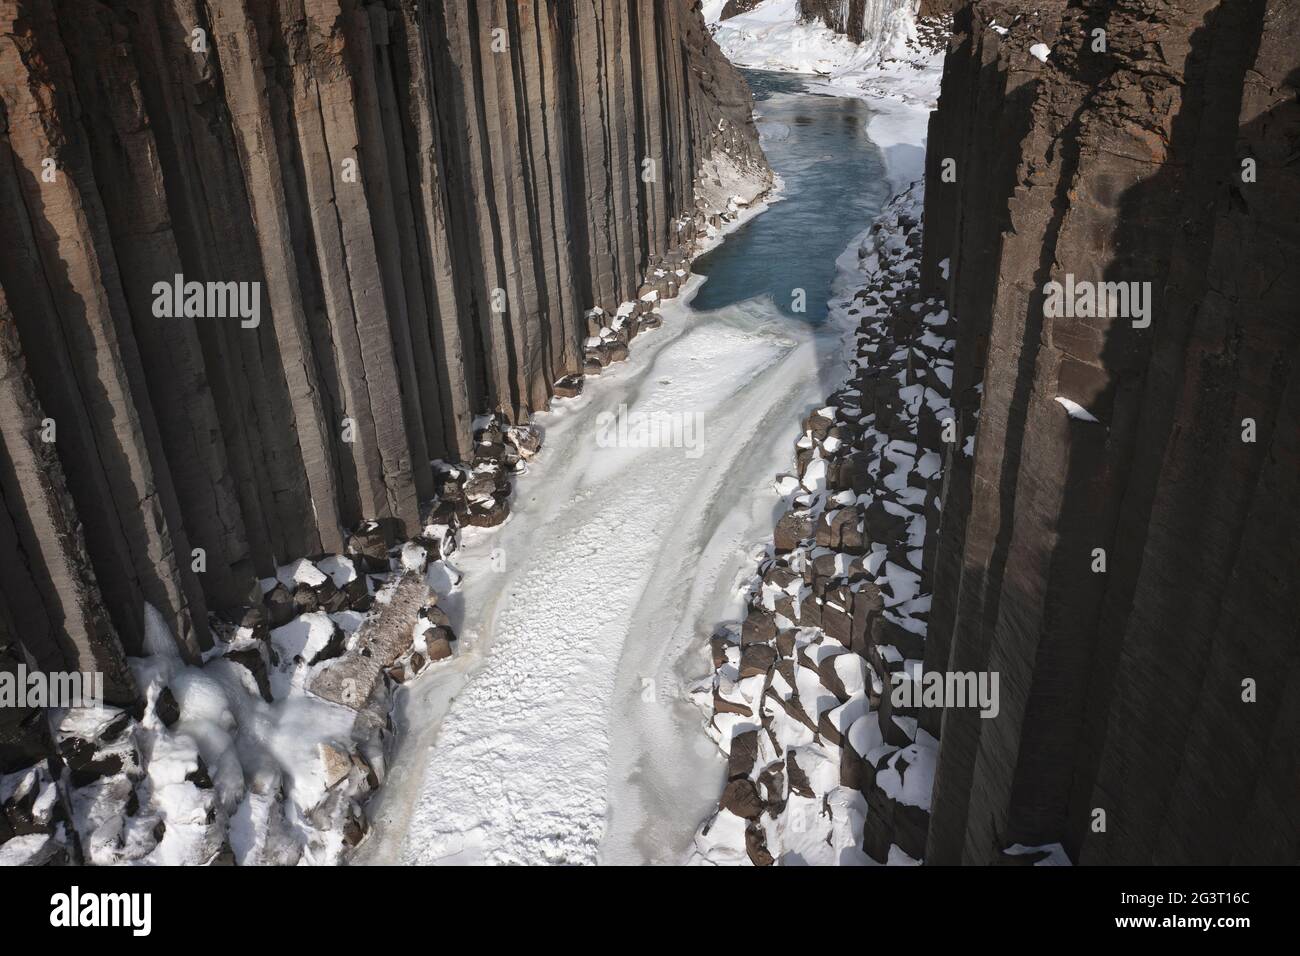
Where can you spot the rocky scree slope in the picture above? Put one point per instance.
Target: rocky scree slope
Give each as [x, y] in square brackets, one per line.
[434, 206]
[823, 767]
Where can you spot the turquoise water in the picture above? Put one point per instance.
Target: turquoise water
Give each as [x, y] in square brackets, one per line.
[834, 186]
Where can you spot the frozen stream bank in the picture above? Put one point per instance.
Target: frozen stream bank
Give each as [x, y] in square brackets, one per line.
[561, 733]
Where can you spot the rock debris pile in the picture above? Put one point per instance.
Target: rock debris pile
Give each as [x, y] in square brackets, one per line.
[822, 765]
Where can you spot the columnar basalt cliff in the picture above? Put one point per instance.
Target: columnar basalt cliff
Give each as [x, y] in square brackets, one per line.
[1072, 493]
[423, 198]
[1121, 545]
[266, 267]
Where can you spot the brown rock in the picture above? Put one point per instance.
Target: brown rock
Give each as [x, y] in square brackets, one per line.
[755, 844]
[741, 798]
[759, 627]
[793, 528]
[437, 644]
[744, 752]
[756, 659]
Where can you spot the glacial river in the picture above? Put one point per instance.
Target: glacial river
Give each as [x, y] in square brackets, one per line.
[561, 732]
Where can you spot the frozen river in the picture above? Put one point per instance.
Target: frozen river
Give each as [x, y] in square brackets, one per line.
[561, 732]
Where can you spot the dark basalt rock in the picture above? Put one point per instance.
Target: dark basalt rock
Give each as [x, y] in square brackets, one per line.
[333, 648]
[434, 616]
[756, 660]
[793, 528]
[437, 643]
[568, 387]
[1120, 690]
[195, 454]
[199, 777]
[252, 661]
[280, 605]
[305, 599]
[756, 847]
[358, 594]
[166, 708]
[87, 766]
[369, 545]
[744, 753]
[487, 514]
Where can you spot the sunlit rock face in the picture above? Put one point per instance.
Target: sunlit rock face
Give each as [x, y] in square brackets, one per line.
[263, 262]
[265, 267]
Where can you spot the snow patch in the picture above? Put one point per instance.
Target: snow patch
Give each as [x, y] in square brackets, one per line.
[1075, 410]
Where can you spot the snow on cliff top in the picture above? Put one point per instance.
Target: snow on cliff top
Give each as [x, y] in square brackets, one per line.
[771, 37]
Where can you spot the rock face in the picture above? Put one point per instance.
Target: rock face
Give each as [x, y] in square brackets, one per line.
[839, 16]
[861, 20]
[1103, 495]
[734, 8]
[400, 213]
[1134, 579]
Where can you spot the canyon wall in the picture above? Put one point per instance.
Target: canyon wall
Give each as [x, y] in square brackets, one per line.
[861, 20]
[1131, 571]
[414, 203]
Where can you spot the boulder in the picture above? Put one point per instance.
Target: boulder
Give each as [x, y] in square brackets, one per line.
[280, 605]
[744, 753]
[487, 514]
[755, 844]
[741, 798]
[305, 599]
[756, 659]
[793, 528]
[165, 707]
[358, 594]
[369, 545]
[759, 627]
[570, 386]
[252, 661]
[437, 643]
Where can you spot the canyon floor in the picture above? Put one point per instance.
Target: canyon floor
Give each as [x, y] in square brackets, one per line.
[569, 737]
[563, 731]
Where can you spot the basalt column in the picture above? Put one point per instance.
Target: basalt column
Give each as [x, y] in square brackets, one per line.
[263, 261]
[1128, 571]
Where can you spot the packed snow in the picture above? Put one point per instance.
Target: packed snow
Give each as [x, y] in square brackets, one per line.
[570, 738]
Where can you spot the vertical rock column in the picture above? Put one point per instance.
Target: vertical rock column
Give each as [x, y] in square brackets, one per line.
[44, 569]
[420, 199]
[124, 153]
[1109, 566]
[211, 218]
[64, 288]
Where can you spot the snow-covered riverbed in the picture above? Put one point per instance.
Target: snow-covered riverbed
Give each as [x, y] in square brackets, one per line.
[588, 612]
[561, 732]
